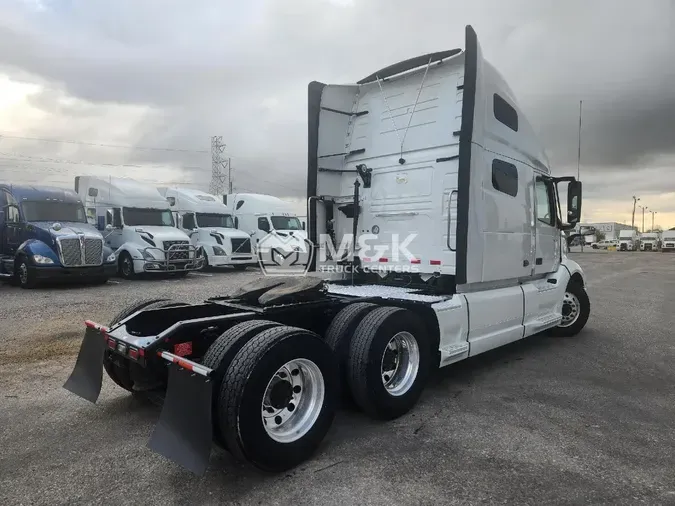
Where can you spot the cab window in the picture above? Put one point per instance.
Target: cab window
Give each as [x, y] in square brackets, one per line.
[263, 224]
[545, 203]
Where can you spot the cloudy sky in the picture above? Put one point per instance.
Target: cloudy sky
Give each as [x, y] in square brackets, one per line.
[137, 87]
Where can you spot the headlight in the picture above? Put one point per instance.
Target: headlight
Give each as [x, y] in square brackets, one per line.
[218, 251]
[39, 259]
[147, 255]
[110, 258]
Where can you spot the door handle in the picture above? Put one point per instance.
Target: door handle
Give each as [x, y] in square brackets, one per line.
[452, 194]
[539, 261]
[526, 263]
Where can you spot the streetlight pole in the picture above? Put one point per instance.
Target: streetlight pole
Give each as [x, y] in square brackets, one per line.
[632, 221]
[653, 213]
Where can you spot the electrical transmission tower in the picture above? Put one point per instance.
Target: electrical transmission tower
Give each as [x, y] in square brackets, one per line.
[220, 168]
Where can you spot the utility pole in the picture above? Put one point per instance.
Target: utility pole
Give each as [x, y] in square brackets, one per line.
[218, 166]
[644, 208]
[583, 239]
[229, 175]
[579, 144]
[653, 213]
[632, 221]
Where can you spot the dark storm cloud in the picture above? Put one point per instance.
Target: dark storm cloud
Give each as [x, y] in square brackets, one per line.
[202, 69]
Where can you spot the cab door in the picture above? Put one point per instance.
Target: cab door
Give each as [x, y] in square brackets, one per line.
[547, 235]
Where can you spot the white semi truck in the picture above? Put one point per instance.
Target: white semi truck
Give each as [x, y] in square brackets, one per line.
[628, 240]
[210, 226]
[272, 220]
[138, 226]
[668, 241]
[650, 241]
[435, 146]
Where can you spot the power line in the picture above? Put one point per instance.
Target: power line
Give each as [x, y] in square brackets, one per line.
[103, 145]
[40, 159]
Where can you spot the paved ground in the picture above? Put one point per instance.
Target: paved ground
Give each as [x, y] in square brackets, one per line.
[584, 420]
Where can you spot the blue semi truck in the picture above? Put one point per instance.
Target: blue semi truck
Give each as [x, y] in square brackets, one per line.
[45, 235]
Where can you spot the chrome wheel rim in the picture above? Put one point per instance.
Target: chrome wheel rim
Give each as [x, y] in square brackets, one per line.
[293, 400]
[570, 310]
[126, 267]
[23, 274]
[400, 363]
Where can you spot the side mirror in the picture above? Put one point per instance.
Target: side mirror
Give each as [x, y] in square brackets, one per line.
[303, 225]
[108, 227]
[574, 202]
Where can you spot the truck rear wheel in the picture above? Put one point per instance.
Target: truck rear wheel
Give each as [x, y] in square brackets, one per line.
[576, 310]
[389, 362]
[278, 398]
[339, 337]
[117, 368]
[219, 356]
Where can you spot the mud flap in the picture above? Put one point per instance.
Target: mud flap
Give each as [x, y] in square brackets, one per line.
[87, 376]
[183, 433]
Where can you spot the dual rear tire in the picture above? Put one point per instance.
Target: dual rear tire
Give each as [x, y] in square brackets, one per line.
[276, 387]
[275, 393]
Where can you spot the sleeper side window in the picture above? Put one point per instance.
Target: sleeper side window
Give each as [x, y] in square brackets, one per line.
[505, 177]
[505, 113]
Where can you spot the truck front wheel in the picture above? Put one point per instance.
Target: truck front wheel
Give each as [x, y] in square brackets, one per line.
[575, 311]
[25, 274]
[278, 398]
[389, 362]
[126, 266]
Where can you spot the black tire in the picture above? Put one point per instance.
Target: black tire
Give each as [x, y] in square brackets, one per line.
[240, 267]
[126, 266]
[339, 338]
[244, 386]
[25, 274]
[219, 356]
[118, 370]
[367, 351]
[579, 292]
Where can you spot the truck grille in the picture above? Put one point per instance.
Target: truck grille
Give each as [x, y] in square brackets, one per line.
[93, 251]
[670, 245]
[71, 253]
[180, 252]
[241, 245]
[648, 246]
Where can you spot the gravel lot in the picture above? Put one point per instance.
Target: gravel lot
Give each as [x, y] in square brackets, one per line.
[584, 420]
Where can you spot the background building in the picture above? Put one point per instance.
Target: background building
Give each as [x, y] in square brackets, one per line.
[610, 229]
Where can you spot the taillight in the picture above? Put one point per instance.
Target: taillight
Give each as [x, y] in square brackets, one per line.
[133, 353]
[111, 343]
[183, 349]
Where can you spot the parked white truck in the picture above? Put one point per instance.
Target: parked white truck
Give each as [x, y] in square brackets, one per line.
[668, 241]
[270, 218]
[435, 148]
[628, 240]
[138, 225]
[650, 241]
[210, 226]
